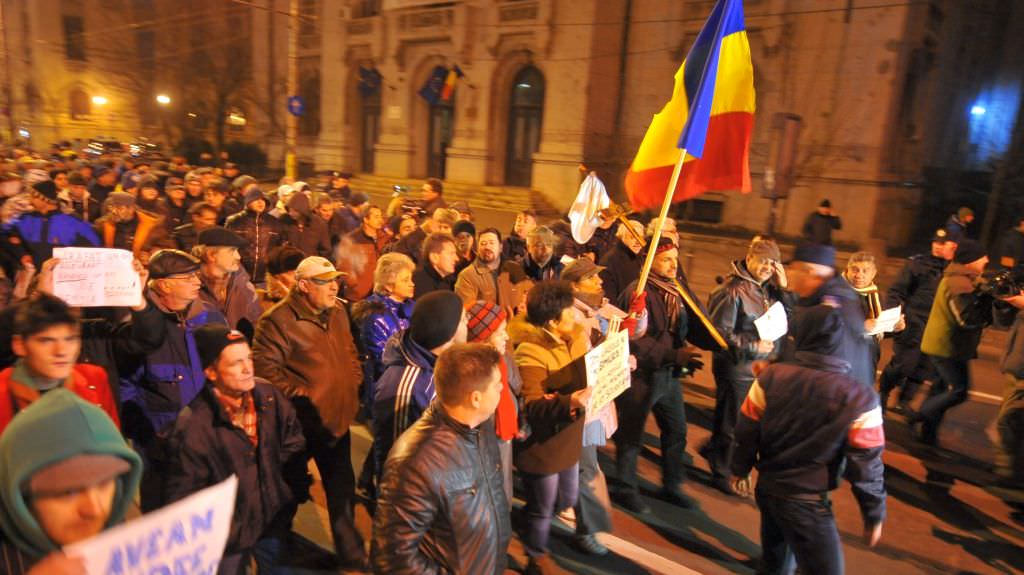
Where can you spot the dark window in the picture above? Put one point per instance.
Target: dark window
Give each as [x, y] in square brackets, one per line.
[74, 38]
[80, 105]
[309, 89]
[525, 115]
[145, 47]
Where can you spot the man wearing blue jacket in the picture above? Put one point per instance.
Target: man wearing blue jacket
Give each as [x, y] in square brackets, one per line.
[407, 386]
[802, 453]
[37, 232]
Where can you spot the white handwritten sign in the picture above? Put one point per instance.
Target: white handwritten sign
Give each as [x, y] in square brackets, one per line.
[92, 277]
[185, 537]
[608, 370]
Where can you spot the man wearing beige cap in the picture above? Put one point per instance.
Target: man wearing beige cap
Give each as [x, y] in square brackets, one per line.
[303, 346]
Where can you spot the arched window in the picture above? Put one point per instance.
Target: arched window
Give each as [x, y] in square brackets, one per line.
[525, 114]
[80, 105]
[309, 88]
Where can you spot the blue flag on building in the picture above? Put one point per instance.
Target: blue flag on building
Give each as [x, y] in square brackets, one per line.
[431, 90]
[369, 81]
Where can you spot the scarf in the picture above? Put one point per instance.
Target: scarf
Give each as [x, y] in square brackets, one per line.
[869, 300]
[670, 293]
[506, 423]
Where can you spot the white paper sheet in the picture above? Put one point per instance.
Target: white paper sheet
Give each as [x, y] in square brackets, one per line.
[887, 320]
[773, 324]
[93, 277]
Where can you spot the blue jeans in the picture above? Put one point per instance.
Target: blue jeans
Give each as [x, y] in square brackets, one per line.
[544, 495]
[799, 530]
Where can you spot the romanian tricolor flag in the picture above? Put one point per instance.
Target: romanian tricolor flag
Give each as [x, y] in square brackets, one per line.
[449, 83]
[710, 115]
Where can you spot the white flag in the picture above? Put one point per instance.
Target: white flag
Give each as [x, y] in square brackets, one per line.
[583, 215]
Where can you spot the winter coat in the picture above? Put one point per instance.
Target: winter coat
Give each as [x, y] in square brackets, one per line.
[412, 245]
[87, 381]
[513, 248]
[798, 450]
[185, 237]
[956, 229]
[914, 289]
[207, 449]
[856, 348]
[549, 271]
[155, 386]
[307, 233]
[143, 234]
[175, 215]
[1013, 360]
[57, 427]
[379, 317]
[506, 289]
[427, 280]
[621, 266]
[733, 307]
[87, 209]
[402, 393]
[357, 257]
[818, 228]
[36, 235]
[958, 316]
[442, 505]
[240, 307]
[551, 373]
[310, 354]
[261, 232]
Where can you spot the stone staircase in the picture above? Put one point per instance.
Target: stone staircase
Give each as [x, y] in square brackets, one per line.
[500, 198]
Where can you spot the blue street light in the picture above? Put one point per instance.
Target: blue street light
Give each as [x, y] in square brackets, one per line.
[977, 110]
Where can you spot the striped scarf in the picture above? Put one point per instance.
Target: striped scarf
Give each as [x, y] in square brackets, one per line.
[670, 293]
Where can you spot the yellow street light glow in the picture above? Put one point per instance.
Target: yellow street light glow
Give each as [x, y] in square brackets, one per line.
[163, 99]
[99, 100]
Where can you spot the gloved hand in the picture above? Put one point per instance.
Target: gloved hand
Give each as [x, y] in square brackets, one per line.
[637, 304]
[689, 359]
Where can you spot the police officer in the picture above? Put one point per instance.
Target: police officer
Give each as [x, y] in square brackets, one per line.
[914, 289]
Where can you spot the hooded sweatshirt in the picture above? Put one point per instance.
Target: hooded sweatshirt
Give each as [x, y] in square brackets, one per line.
[58, 426]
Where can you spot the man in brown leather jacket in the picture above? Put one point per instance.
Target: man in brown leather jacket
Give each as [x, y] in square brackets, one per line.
[303, 345]
[442, 505]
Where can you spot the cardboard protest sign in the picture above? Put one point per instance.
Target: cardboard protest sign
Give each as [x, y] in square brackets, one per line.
[608, 370]
[93, 277]
[185, 537]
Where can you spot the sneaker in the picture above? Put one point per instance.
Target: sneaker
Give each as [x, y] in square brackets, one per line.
[590, 545]
[631, 501]
[676, 497]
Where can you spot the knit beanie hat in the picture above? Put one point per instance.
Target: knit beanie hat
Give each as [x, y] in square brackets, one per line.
[482, 319]
[212, 338]
[968, 251]
[815, 254]
[435, 318]
[253, 193]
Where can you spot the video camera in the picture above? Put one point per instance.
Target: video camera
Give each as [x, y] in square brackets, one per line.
[1001, 284]
[410, 207]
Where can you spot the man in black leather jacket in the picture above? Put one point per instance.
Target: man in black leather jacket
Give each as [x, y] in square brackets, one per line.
[755, 284]
[442, 505]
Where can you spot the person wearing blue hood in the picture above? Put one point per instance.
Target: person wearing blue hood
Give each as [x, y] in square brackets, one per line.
[406, 388]
[66, 474]
[813, 278]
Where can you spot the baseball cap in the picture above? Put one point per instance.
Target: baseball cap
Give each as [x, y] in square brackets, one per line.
[316, 267]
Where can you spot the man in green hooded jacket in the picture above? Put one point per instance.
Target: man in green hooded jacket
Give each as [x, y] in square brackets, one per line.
[66, 474]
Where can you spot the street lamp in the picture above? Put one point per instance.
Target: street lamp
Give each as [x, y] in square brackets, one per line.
[163, 99]
[99, 100]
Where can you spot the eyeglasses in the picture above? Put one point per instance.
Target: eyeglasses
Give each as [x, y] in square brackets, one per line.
[321, 282]
[188, 276]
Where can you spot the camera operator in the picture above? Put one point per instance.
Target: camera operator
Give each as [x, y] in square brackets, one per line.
[431, 198]
[1010, 422]
[961, 310]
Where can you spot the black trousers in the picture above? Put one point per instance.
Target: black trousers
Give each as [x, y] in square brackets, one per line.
[908, 368]
[799, 529]
[333, 457]
[660, 394]
[729, 395]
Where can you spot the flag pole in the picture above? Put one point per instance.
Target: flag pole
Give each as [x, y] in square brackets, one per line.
[653, 246]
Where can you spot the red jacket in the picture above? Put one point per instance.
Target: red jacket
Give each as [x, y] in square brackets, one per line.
[88, 381]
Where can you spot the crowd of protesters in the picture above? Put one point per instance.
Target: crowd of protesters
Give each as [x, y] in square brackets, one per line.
[272, 321]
